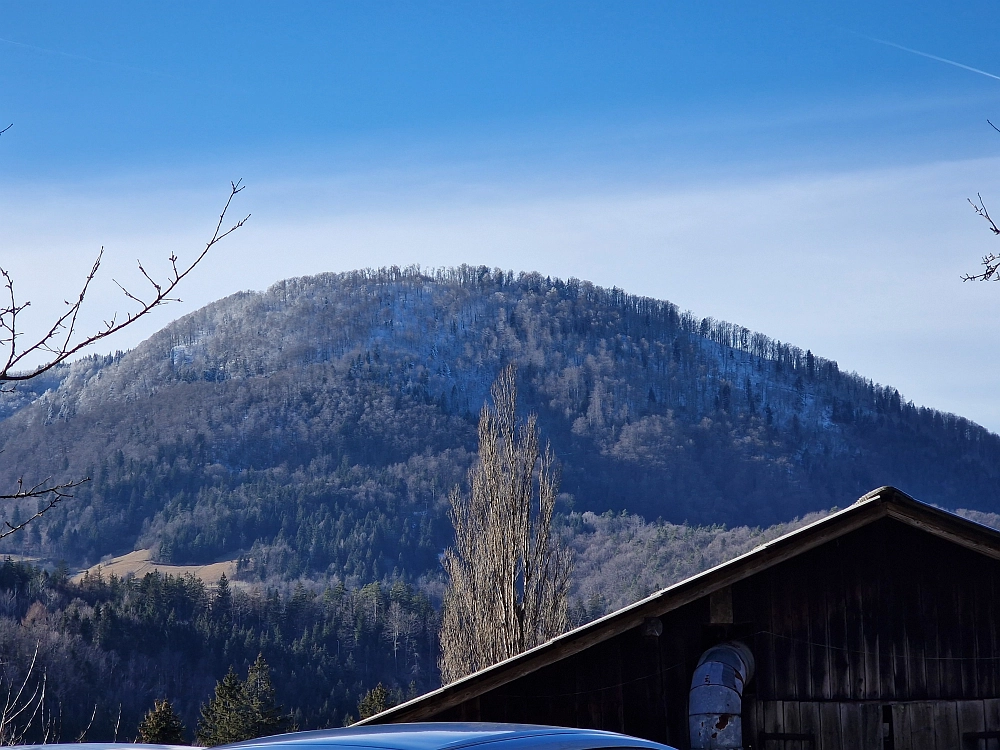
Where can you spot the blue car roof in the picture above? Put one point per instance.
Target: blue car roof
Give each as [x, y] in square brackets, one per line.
[451, 736]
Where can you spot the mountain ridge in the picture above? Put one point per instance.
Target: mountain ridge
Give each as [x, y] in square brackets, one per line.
[320, 424]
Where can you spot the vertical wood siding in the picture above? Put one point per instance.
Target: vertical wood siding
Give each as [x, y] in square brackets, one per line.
[886, 616]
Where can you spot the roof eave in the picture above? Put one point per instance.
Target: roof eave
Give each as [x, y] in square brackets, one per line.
[880, 503]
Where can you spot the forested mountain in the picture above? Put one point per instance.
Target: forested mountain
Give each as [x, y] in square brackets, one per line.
[314, 429]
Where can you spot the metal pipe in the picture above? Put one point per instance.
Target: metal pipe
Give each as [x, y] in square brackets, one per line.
[715, 703]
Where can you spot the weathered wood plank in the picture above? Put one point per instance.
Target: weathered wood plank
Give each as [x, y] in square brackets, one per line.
[946, 734]
[851, 730]
[809, 720]
[752, 715]
[792, 723]
[914, 626]
[883, 622]
[991, 715]
[641, 705]
[902, 726]
[774, 716]
[928, 596]
[614, 714]
[758, 595]
[871, 726]
[830, 734]
[950, 654]
[993, 615]
[982, 646]
[922, 734]
[821, 580]
[971, 716]
[786, 669]
[965, 639]
[593, 677]
[798, 607]
[899, 582]
[836, 605]
[990, 642]
[860, 687]
[868, 609]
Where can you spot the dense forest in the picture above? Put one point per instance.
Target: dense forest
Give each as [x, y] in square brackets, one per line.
[107, 648]
[313, 430]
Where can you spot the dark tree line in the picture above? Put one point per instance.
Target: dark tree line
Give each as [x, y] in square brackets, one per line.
[109, 648]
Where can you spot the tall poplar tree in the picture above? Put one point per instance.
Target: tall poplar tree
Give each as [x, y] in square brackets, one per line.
[508, 577]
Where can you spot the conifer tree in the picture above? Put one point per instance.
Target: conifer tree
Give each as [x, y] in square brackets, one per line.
[241, 710]
[223, 718]
[265, 715]
[161, 725]
[222, 606]
[375, 701]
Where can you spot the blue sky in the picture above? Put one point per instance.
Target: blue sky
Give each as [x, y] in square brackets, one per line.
[768, 163]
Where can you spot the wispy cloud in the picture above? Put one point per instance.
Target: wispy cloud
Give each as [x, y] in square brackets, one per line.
[932, 57]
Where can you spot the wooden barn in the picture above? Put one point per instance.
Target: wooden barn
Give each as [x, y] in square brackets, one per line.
[875, 627]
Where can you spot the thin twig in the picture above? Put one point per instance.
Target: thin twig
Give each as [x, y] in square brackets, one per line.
[58, 342]
[991, 261]
[52, 495]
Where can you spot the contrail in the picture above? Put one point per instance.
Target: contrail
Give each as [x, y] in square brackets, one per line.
[84, 57]
[933, 57]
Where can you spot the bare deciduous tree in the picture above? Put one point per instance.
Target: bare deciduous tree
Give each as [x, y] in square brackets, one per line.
[400, 625]
[62, 339]
[508, 576]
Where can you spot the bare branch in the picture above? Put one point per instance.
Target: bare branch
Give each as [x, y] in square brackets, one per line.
[58, 342]
[86, 729]
[16, 704]
[991, 261]
[50, 494]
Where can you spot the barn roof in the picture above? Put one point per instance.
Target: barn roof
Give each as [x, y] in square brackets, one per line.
[885, 502]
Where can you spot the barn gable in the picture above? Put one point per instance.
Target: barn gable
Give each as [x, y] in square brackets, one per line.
[877, 621]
